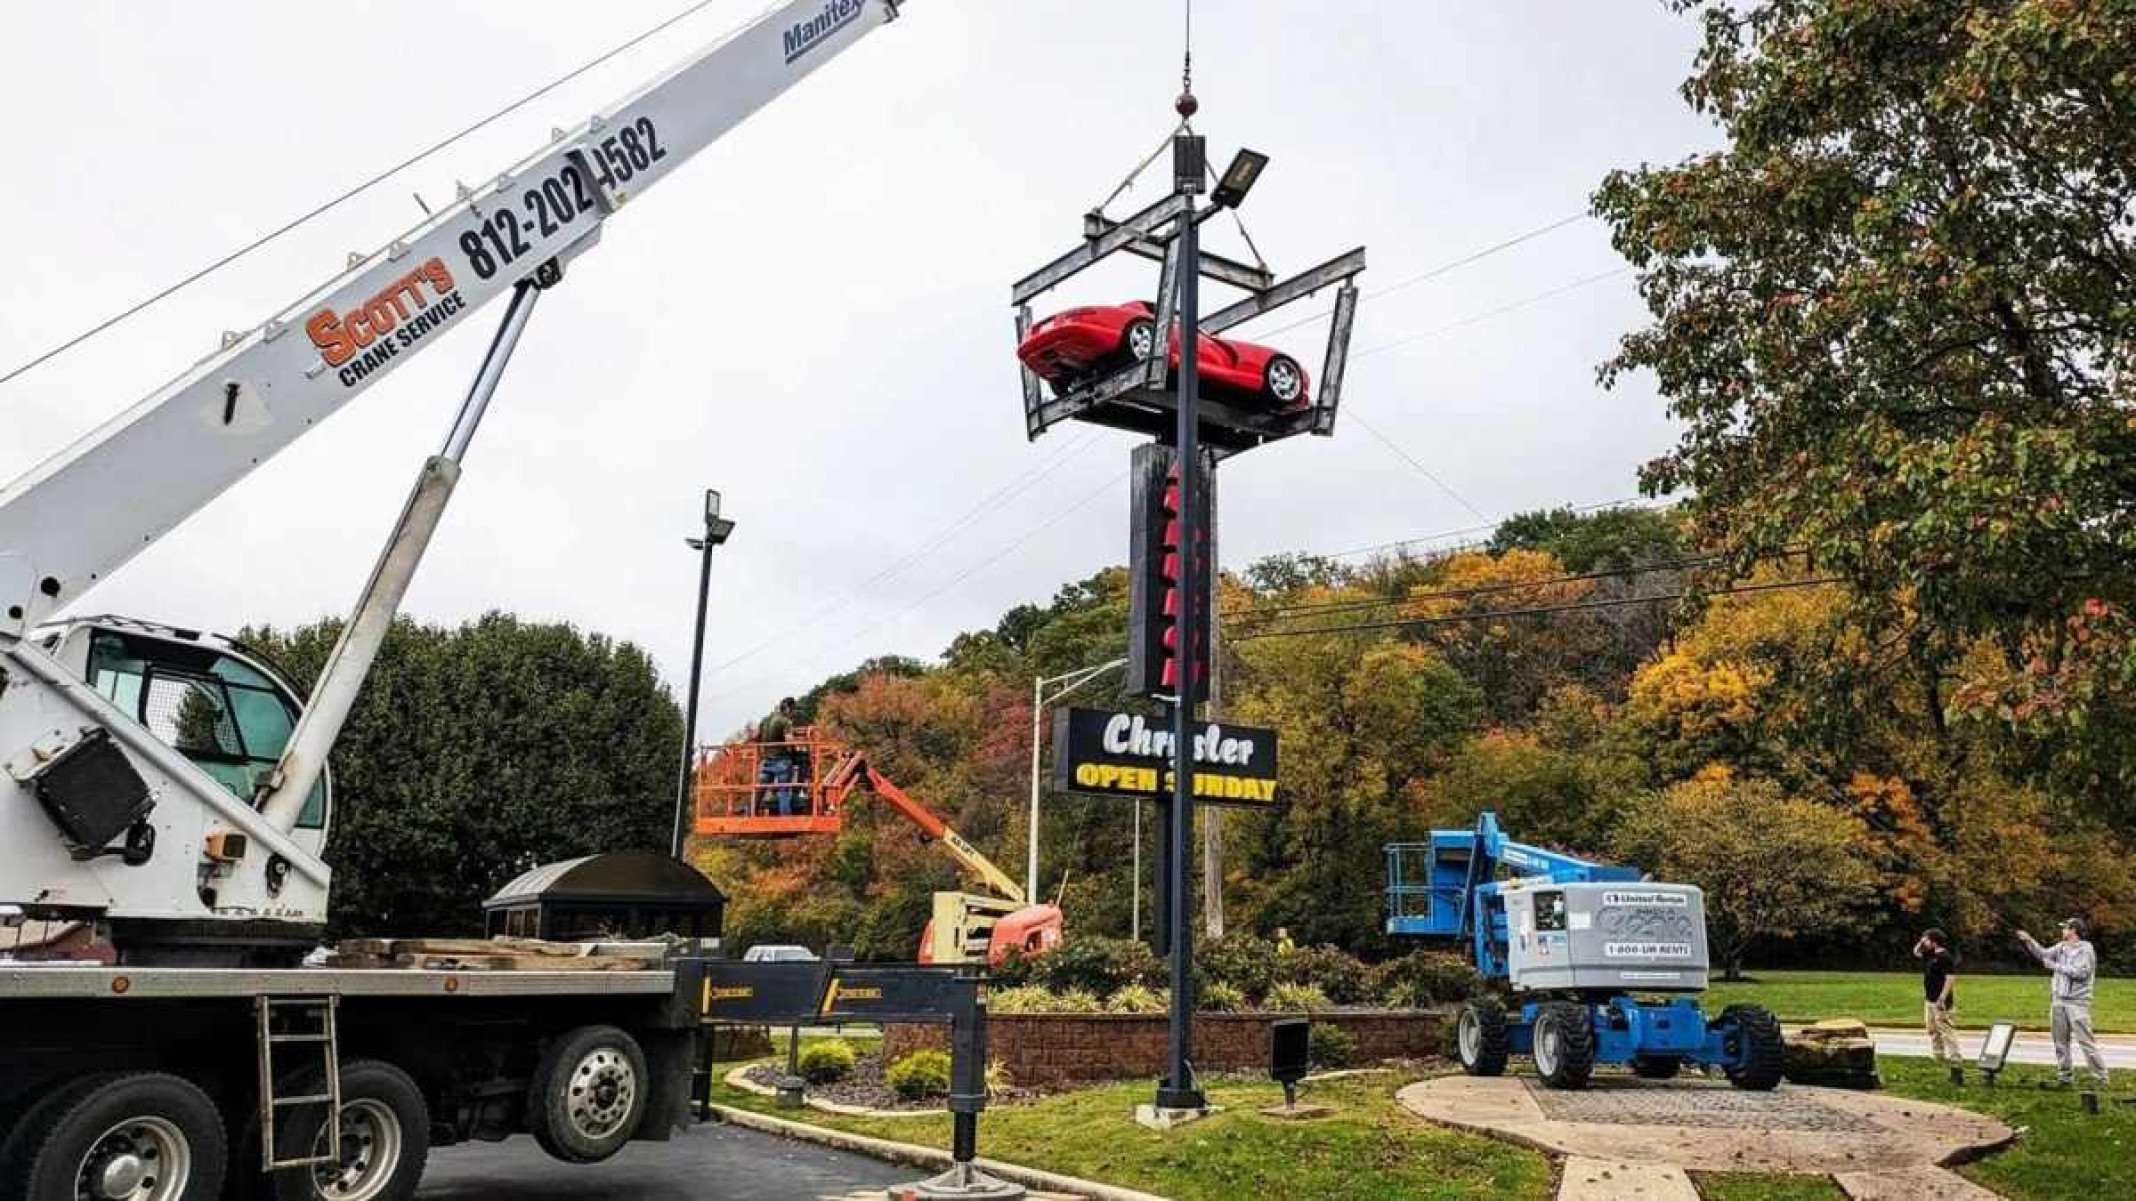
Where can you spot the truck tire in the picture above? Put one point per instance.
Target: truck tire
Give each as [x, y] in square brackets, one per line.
[385, 1139]
[588, 1094]
[1657, 1067]
[1757, 1054]
[140, 1136]
[1564, 1045]
[1480, 1038]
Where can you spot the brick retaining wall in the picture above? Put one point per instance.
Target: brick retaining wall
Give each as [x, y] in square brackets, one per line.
[1049, 1050]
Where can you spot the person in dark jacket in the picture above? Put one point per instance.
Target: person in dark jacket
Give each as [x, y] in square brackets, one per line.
[1939, 990]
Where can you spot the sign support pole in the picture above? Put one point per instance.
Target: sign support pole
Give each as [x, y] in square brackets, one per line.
[1179, 1091]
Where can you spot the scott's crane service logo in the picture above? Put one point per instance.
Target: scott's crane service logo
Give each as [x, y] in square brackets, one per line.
[369, 335]
[805, 36]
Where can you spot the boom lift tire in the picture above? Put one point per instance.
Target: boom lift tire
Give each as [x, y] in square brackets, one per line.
[149, 1135]
[1756, 1047]
[385, 1138]
[1564, 1045]
[588, 1094]
[1480, 1038]
[1657, 1067]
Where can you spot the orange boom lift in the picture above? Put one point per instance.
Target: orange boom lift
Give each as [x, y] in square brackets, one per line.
[736, 797]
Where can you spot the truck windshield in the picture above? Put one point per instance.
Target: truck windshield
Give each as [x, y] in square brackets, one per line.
[218, 711]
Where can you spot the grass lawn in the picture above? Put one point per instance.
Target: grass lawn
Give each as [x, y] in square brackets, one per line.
[2065, 1152]
[1894, 999]
[1369, 1150]
[1747, 1186]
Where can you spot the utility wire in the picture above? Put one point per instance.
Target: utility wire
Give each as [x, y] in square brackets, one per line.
[353, 192]
[1488, 526]
[1442, 269]
[1410, 459]
[1684, 564]
[1500, 311]
[1494, 615]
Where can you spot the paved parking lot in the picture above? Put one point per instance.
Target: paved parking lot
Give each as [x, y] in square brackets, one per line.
[708, 1163]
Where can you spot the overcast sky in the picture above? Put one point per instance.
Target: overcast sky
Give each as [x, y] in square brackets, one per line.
[813, 315]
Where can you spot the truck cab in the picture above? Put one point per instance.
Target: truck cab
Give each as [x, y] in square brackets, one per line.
[210, 698]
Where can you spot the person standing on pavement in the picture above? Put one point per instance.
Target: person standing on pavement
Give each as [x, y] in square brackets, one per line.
[2074, 965]
[1939, 989]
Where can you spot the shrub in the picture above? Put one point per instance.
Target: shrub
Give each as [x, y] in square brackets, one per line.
[1330, 1046]
[1097, 965]
[1026, 998]
[1075, 1000]
[1014, 970]
[1424, 978]
[827, 1062]
[1222, 997]
[919, 1075]
[1241, 960]
[1296, 998]
[1332, 970]
[1139, 998]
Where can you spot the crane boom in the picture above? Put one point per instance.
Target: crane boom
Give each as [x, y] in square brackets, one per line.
[87, 510]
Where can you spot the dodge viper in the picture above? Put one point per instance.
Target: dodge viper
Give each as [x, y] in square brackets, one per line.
[1068, 348]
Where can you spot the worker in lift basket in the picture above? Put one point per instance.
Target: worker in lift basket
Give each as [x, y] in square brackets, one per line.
[775, 760]
[2074, 965]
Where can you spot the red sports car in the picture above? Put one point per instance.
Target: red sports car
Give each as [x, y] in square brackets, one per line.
[1068, 348]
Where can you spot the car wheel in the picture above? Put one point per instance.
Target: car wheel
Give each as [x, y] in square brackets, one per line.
[1284, 380]
[1139, 341]
[140, 1136]
[588, 1095]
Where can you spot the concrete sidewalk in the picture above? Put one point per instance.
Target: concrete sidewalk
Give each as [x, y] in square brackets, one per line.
[2032, 1046]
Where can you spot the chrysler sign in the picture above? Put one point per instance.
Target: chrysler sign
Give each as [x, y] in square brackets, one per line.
[1127, 754]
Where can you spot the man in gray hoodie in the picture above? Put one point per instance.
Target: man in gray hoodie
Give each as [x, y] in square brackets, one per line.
[2074, 964]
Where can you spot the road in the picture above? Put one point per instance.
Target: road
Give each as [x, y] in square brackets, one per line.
[2032, 1047]
[711, 1162]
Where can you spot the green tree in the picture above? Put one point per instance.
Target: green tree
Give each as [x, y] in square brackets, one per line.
[1772, 866]
[1614, 539]
[1896, 314]
[479, 751]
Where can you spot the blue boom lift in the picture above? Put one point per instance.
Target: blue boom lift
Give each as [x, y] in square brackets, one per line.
[1576, 941]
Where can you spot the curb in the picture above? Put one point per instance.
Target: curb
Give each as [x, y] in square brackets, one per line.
[926, 1158]
[739, 1078]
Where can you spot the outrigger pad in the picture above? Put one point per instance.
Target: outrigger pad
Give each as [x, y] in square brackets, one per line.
[91, 791]
[961, 1183]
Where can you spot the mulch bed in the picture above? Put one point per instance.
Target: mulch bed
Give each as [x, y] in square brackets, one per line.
[864, 1087]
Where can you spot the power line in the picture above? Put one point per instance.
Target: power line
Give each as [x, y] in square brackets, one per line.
[353, 192]
[1486, 527]
[1421, 469]
[1446, 268]
[1500, 311]
[1683, 564]
[1007, 492]
[1494, 615]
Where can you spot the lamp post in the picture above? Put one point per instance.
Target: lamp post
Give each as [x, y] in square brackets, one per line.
[1069, 682]
[717, 531]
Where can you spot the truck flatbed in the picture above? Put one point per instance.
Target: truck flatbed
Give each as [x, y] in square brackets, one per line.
[26, 981]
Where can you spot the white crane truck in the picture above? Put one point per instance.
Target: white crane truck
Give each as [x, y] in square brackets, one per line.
[166, 799]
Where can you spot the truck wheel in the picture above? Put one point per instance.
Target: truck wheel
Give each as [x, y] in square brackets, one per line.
[125, 1136]
[385, 1140]
[1480, 1038]
[1564, 1046]
[587, 1094]
[1757, 1054]
[1657, 1067]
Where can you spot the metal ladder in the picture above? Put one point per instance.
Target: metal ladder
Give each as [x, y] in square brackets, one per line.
[303, 1021]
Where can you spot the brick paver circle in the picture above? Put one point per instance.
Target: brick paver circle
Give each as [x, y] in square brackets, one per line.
[1708, 1126]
